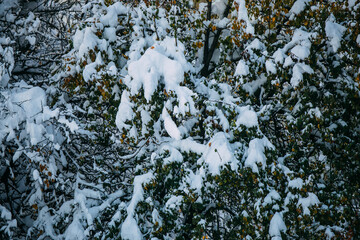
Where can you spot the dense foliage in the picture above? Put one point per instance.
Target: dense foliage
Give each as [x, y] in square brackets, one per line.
[159, 119]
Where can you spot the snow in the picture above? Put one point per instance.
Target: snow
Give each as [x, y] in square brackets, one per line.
[164, 63]
[75, 230]
[298, 70]
[6, 5]
[30, 101]
[311, 200]
[270, 67]
[31, 40]
[358, 40]
[196, 180]
[188, 145]
[218, 153]
[270, 197]
[288, 62]
[329, 234]
[5, 214]
[299, 6]
[279, 56]
[129, 228]
[111, 17]
[334, 32]
[125, 112]
[72, 125]
[90, 69]
[170, 126]
[35, 132]
[277, 226]
[255, 153]
[218, 7]
[301, 52]
[148, 70]
[241, 69]
[173, 202]
[351, 3]
[247, 117]
[243, 15]
[84, 41]
[296, 183]
[110, 34]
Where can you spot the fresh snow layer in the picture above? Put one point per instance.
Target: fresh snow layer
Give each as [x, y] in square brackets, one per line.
[311, 200]
[298, 70]
[125, 112]
[243, 15]
[148, 70]
[219, 153]
[334, 32]
[247, 117]
[277, 226]
[255, 153]
[241, 69]
[170, 126]
[129, 229]
[162, 63]
[299, 6]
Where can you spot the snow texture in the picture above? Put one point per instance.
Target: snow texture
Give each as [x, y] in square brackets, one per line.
[296, 183]
[270, 67]
[247, 117]
[164, 62]
[241, 69]
[299, 6]
[219, 153]
[334, 32]
[277, 226]
[311, 200]
[298, 70]
[255, 153]
[125, 112]
[130, 229]
[170, 126]
[243, 15]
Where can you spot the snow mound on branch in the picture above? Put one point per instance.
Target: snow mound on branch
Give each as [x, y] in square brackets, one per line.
[241, 69]
[243, 15]
[30, 101]
[307, 202]
[170, 125]
[219, 153]
[125, 112]
[255, 153]
[247, 117]
[162, 63]
[111, 17]
[129, 228]
[299, 6]
[277, 226]
[334, 32]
